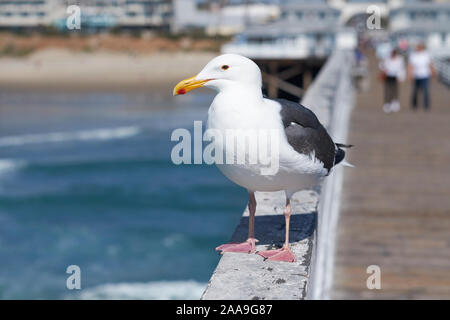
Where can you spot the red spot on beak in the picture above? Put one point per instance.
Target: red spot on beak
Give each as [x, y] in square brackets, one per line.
[181, 91]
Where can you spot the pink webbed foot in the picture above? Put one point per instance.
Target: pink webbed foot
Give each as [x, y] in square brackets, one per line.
[248, 246]
[284, 254]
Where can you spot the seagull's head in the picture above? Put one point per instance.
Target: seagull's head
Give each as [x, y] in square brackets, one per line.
[221, 72]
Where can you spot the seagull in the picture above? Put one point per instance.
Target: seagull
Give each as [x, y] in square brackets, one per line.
[306, 153]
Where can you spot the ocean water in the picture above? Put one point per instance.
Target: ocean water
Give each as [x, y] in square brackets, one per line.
[86, 179]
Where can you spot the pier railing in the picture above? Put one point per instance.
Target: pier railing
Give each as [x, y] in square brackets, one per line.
[443, 69]
[313, 223]
[279, 50]
[331, 97]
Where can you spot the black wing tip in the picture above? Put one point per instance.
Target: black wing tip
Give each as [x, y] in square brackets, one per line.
[341, 145]
[339, 156]
[340, 153]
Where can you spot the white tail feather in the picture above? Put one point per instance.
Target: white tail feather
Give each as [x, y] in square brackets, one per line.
[347, 164]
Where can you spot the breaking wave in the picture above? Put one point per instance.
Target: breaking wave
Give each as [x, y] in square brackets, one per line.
[156, 290]
[85, 135]
[9, 165]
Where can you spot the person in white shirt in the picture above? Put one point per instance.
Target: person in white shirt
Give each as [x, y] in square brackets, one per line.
[393, 70]
[420, 70]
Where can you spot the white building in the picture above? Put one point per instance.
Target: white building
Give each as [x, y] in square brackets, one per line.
[25, 13]
[226, 20]
[94, 13]
[352, 8]
[305, 29]
[424, 22]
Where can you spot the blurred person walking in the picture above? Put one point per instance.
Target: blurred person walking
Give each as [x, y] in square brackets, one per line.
[393, 71]
[420, 69]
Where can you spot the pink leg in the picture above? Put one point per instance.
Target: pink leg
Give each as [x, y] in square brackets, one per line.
[248, 246]
[285, 253]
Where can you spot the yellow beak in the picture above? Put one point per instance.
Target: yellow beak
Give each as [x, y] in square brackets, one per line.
[187, 85]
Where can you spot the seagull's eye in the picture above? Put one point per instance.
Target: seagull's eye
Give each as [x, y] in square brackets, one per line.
[225, 67]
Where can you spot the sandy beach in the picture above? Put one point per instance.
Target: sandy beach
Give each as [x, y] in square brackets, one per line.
[59, 68]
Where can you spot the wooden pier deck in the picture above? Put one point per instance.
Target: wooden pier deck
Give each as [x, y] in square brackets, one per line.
[395, 208]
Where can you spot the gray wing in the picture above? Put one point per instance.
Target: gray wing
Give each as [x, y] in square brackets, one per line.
[306, 134]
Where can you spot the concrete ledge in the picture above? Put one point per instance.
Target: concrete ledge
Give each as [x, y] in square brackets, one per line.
[241, 276]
